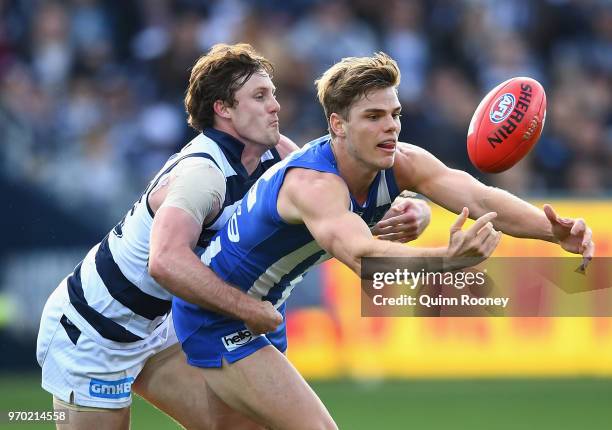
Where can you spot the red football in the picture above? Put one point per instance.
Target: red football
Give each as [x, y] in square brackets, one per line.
[506, 124]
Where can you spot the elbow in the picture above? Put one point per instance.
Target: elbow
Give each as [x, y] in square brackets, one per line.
[159, 268]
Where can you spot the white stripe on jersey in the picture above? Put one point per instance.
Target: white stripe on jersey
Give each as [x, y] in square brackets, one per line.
[273, 274]
[287, 291]
[382, 196]
[98, 298]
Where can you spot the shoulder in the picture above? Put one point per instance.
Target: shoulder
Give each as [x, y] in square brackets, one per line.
[199, 169]
[408, 153]
[311, 194]
[412, 164]
[314, 186]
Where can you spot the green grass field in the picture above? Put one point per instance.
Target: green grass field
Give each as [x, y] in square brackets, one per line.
[559, 404]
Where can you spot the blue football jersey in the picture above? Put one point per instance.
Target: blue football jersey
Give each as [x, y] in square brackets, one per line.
[259, 252]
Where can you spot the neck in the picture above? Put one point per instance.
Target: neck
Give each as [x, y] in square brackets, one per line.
[252, 152]
[357, 175]
[251, 155]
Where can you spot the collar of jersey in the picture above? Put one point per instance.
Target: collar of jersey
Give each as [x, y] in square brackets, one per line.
[328, 153]
[229, 144]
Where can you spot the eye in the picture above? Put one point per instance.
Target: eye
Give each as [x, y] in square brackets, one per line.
[397, 115]
[259, 96]
[372, 117]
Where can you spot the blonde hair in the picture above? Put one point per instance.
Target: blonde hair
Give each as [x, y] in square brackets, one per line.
[217, 75]
[346, 81]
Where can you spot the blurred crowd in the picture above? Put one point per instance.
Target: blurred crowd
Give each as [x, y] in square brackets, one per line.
[91, 91]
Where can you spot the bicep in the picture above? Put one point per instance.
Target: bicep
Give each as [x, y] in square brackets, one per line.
[323, 204]
[450, 188]
[173, 228]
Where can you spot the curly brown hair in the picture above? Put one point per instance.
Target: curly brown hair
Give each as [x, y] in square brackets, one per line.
[217, 75]
[346, 81]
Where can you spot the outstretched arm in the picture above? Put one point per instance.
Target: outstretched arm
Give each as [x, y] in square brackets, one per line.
[347, 237]
[454, 189]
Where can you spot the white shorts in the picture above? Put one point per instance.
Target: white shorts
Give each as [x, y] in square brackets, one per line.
[79, 366]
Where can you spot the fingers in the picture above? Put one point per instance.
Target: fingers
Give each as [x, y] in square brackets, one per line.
[266, 320]
[404, 218]
[588, 254]
[481, 222]
[401, 237]
[485, 231]
[391, 213]
[491, 242]
[400, 206]
[555, 219]
[588, 235]
[458, 224]
[403, 228]
[487, 238]
[578, 227]
[550, 214]
[403, 205]
[278, 318]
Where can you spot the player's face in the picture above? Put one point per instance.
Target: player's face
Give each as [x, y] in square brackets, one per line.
[255, 113]
[373, 128]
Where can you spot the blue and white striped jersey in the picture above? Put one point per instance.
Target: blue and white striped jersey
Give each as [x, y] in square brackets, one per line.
[111, 288]
[262, 254]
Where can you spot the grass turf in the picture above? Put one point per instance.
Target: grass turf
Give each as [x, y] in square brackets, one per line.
[500, 404]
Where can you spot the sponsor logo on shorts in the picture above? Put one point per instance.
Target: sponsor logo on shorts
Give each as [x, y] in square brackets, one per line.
[236, 340]
[502, 108]
[111, 389]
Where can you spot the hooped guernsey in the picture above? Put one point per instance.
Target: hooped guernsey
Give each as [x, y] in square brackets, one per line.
[111, 289]
[264, 256]
[103, 323]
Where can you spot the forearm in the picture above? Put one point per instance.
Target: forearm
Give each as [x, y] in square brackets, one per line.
[185, 276]
[429, 259]
[515, 217]
[455, 189]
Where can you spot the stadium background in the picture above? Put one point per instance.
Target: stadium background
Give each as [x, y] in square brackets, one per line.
[91, 105]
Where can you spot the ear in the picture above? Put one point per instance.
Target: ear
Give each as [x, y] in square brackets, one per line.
[336, 125]
[221, 109]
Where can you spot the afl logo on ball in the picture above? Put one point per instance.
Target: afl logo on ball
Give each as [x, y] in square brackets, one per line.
[502, 108]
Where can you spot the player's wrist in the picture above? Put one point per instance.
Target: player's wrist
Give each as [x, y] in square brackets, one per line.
[247, 307]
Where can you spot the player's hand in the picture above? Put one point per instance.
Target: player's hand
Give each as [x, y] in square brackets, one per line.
[264, 319]
[475, 244]
[404, 221]
[572, 234]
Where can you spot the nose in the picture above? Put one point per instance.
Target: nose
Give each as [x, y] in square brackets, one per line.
[274, 105]
[391, 124]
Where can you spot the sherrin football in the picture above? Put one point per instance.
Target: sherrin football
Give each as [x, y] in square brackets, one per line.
[506, 125]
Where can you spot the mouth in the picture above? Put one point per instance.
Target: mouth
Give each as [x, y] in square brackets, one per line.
[387, 145]
[274, 123]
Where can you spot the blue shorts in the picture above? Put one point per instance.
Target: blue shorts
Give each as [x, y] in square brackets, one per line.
[217, 337]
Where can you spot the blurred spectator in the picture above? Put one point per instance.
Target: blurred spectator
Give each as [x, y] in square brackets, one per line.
[406, 42]
[330, 32]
